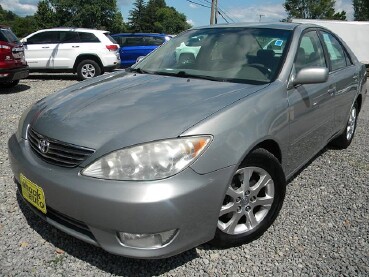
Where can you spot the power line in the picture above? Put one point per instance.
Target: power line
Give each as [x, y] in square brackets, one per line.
[199, 4]
[223, 16]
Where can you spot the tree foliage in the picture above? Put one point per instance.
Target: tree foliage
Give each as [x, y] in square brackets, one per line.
[361, 10]
[21, 26]
[102, 14]
[313, 9]
[155, 16]
[146, 16]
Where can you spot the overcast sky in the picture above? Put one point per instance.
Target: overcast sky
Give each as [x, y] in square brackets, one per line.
[197, 15]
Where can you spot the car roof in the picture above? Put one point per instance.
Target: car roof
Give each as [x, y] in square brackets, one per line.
[140, 34]
[275, 25]
[74, 29]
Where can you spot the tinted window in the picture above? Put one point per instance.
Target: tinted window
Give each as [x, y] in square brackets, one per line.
[69, 37]
[140, 41]
[154, 41]
[44, 38]
[336, 53]
[310, 52]
[88, 37]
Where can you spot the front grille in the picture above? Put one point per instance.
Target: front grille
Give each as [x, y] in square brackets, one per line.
[58, 153]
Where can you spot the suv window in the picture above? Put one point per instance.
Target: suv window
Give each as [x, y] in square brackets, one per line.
[8, 36]
[69, 37]
[88, 37]
[48, 37]
[140, 41]
[336, 53]
[310, 52]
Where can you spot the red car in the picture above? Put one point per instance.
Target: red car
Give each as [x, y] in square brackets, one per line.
[13, 65]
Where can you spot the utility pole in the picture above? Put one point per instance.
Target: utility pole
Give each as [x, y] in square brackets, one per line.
[213, 12]
[260, 16]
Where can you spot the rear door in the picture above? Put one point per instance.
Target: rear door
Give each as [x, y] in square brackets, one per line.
[67, 51]
[41, 48]
[311, 105]
[344, 74]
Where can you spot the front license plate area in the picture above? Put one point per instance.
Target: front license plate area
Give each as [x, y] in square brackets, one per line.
[33, 193]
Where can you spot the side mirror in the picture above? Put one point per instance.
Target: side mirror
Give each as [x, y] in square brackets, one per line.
[24, 41]
[311, 75]
[140, 58]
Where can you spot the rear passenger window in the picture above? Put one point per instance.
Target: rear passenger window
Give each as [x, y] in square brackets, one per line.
[336, 53]
[69, 37]
[88, 37]
[154, 41]
[310, 52]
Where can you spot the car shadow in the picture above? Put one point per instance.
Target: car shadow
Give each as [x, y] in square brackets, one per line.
[97, 257]
[16, 89]
[53, 76]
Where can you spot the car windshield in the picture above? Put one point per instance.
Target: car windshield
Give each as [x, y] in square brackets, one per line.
[245, 55]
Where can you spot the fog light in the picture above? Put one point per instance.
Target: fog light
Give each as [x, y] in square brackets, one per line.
[4, 75]
[147, 241]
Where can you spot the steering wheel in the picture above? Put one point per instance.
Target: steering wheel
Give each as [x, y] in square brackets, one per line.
[263, 69]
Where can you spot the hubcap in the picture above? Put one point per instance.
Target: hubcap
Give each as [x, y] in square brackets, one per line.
[248, 200]
[351, 124]
[88, 71]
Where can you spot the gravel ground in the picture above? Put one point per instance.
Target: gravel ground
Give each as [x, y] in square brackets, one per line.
[323, 228]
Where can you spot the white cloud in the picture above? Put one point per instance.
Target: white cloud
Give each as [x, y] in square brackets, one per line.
[191, 22]
[268, 12]
[20, 7]
[193, 6]
[345, 5]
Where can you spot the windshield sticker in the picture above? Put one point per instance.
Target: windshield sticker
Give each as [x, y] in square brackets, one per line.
[278, 42]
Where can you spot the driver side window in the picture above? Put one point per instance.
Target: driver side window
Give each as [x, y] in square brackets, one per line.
[310, 52]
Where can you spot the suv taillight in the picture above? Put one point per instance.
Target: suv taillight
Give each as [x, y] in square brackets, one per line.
[112, 47]
[5, 49]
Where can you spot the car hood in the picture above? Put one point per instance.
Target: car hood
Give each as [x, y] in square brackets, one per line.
[122, 109]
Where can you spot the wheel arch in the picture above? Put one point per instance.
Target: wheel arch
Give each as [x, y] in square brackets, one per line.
[83, 57]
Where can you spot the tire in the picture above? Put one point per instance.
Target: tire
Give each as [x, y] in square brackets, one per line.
[250, 208]
[10, 84]
[344, 140]
[87, 69]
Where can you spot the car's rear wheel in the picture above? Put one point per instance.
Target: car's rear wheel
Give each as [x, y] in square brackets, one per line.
[87, 69]
[10, 84]
[252, 200]
[344, 140]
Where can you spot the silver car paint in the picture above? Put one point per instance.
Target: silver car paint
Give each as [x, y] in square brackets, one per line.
[299, 120]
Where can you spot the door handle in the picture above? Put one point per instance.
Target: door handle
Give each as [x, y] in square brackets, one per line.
[75, 46]
[45, 47]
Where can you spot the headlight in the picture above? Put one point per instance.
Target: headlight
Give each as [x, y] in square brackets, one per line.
[149, 161]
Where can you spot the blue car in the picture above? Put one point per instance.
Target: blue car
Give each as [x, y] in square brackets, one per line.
[134, 45]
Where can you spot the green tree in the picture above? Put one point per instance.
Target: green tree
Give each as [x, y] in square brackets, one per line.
[102, 14]
[45, 16]
[21, 26]
[156, 17]
[312, 9]
[361, 10]
[136, 16]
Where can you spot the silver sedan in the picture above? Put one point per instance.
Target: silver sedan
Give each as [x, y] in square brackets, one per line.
[180, 150]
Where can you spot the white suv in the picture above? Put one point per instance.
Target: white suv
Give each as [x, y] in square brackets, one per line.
[87, 52]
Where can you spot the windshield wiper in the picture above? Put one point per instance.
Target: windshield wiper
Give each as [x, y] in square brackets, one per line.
[184, 74]
[136, 70]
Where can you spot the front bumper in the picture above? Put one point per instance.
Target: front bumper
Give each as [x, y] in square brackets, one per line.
[188, 201]
[14, 74]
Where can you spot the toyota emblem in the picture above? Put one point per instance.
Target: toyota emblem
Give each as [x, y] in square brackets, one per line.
[43, 145]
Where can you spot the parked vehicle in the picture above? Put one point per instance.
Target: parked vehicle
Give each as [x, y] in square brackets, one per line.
[354, 33]
[13, 66]
[134, 45]
[86, 52]
[164, 156]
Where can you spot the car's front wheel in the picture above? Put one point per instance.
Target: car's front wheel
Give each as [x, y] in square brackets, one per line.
[87, 69]
[252, 200]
